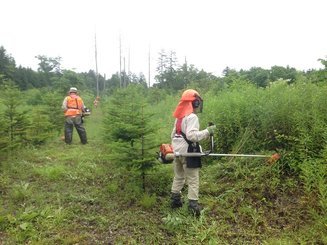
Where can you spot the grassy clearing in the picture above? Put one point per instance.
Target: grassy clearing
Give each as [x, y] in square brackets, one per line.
[60, 194]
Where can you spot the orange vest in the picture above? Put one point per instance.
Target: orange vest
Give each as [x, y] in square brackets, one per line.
[74, 106]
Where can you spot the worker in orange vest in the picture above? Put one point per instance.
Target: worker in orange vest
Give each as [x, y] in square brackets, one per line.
[73, 107]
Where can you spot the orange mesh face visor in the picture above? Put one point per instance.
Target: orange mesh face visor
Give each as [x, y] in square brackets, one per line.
[198, 104]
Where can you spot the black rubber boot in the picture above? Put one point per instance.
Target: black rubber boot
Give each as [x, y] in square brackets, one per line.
[194, 207]
[176, 201]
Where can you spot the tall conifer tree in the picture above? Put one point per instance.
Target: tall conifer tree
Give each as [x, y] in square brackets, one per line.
[129, 131]
[15, 123]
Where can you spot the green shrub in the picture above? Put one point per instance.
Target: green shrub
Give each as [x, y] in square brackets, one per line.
[173, 222]
[147, 201]
[287, 118]
[159, 181]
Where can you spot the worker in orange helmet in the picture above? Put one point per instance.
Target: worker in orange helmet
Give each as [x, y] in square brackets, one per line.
[185, 136]
[74, 107]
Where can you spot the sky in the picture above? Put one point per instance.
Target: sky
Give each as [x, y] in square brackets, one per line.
[210, 34]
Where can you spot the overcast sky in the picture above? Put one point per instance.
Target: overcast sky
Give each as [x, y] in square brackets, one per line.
[210, 34]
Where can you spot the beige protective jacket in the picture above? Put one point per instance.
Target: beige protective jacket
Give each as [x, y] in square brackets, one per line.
[190, 126]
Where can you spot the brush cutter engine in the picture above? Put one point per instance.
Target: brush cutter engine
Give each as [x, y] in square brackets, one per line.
[86, 112]
[166, 153]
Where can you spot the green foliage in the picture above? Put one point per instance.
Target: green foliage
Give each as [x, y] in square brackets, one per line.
[260, 77]
[314, 176]
[20, 192]
[33, 97]
[156, 95]
[4, 139]
[129, 130]
[281, 73]
[112, 187]
[163, 116]
[289, 119]
[158, 180]
[40, 128]
[68, 79]
[28, 221]
[15, 122]
[7, 64]
[173, 78]
[26, 78]
[52, 109]
[48, 64]
[233, 111]
[172, 222]
[51, 172]
[23, 124]
[147, 201]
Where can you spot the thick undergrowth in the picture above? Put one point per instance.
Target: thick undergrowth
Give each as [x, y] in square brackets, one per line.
[59, 194]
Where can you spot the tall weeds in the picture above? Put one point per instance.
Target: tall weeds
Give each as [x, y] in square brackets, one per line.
[289, 119]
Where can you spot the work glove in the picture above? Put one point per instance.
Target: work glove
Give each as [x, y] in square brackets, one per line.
[211, 129]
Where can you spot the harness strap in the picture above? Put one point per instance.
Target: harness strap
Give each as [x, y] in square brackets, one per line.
[179, 126]
[76, 105]
[180, 132]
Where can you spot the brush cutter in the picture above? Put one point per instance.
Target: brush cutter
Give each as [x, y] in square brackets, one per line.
[167, 154]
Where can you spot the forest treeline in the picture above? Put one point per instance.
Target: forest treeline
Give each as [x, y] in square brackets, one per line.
[171, 75]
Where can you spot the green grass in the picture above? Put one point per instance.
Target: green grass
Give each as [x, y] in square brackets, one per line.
[60, 194]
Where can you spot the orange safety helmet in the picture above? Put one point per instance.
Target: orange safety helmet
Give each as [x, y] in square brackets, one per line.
[189, 101]
[189, 95]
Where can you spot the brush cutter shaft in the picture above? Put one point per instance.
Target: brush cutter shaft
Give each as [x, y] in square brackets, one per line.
[236, 155]
[168, 157]
[177, 154]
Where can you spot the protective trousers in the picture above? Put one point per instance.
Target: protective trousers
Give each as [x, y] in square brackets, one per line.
[69, 126]
[184, 174]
